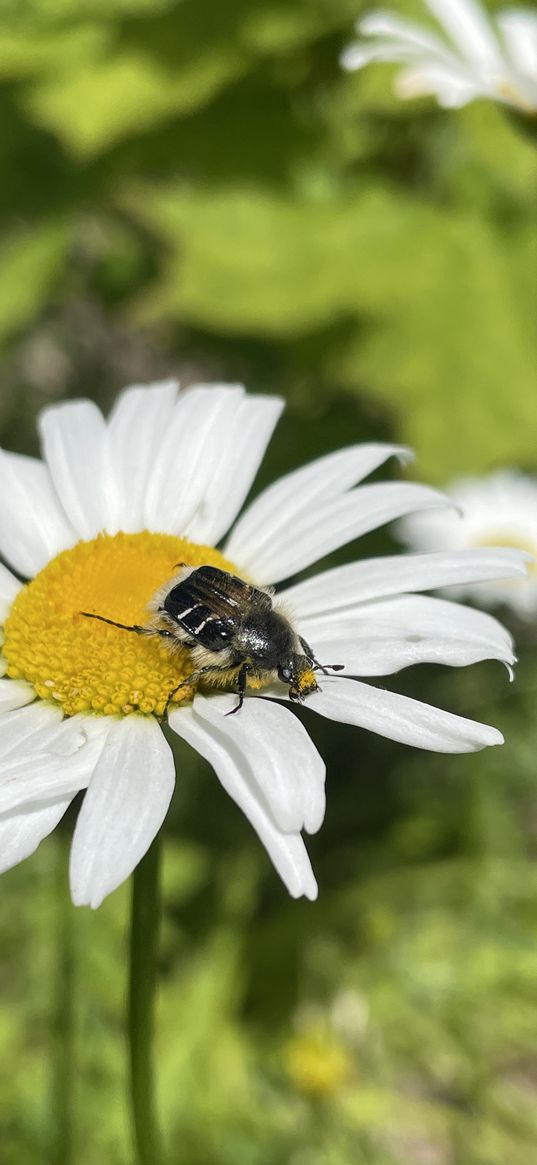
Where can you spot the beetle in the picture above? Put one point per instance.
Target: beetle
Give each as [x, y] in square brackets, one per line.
[229, 625]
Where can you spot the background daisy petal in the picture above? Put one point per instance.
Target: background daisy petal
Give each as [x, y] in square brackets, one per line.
[244, 441]
[124, 807]
[286, 850]
[374, 578]
[519, 29]
[22, 830]
[450, 84]
[33, 525]
[470, 30]
[75, 447]
[272, 744]
[136, 429]
[409, 36]
[400, 718]
[332, 522]
[297, 494]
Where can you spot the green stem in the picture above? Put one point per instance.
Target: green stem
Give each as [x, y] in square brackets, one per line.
[142, 982]
[63, 1016]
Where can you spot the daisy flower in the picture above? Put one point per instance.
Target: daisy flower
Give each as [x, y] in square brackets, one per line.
[100, 524]
[500, 509]
[477, 55]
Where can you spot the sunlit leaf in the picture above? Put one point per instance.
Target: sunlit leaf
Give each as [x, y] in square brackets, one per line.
[30, 262]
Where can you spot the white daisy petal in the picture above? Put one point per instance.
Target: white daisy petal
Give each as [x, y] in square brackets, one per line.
[410, 37]
[381, 638]
[23, 830]
[56, 762]
[33, 527]
[9, 589]
[357, 56]
[331, 523]
[123, 809]
[470, 30]
[519, 29]
[244, 442]
[478, 56]
[500, 507]
[400, 718]
[189, 453]
[282, 759]
[136, 428]
[18, 728]
[375, 578]
[41, 727]
[449, 85]
[286, 850]
[183, 465]
[36, 778]
[75, 447]
[15, 694]
[297, 493]
[385, 654]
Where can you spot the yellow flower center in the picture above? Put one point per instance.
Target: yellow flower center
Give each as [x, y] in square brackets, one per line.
[317, 1064]
[86, 665]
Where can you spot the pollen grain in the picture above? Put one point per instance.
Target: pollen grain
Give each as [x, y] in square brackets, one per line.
[85, 665]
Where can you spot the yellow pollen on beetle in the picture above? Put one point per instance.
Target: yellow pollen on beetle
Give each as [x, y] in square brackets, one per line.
[306, 680]
[86, 665]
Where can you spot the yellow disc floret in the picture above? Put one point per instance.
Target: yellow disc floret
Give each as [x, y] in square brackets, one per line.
[86, 665]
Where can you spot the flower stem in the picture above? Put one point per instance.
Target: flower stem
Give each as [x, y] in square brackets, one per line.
[142, 981]
[62, 1016]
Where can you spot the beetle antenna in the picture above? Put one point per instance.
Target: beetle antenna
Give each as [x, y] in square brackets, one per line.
[326, 667]
[123, 626]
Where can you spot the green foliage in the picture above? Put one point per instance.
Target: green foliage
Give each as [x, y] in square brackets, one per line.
[285, 203]
[433, 284]
[29, 263]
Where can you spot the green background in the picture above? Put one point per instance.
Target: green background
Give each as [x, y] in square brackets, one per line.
[196, 189]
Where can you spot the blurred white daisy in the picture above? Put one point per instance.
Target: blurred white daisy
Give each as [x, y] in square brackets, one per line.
[498, 510]
[477, 55]
[100, 523]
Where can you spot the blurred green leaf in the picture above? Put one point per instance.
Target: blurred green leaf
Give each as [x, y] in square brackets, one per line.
[23, 54]
[107, 99]
[441, 293]
[30, 263]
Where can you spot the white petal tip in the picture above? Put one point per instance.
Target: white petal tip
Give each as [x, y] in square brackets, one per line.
[405, 455]
[313, 824]
[351, 59]
[84, 897]
[495, 738]
[309, 890]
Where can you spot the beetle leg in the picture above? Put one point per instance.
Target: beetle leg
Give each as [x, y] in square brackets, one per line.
[195, 675]
[241, 687]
